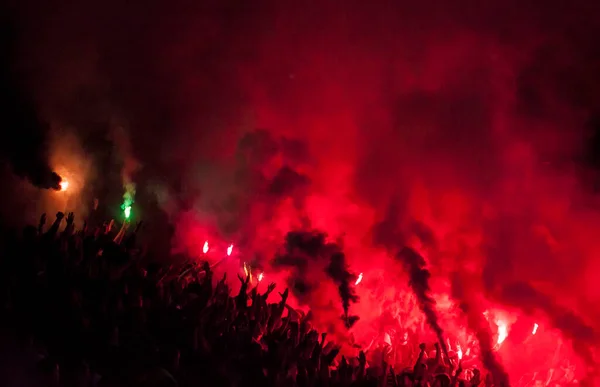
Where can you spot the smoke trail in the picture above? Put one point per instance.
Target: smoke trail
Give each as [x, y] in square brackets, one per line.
[339, 273]
[300, 250]
[308, 256]
[419, 276]
[479, 325]
[130, 165]
[25, 142]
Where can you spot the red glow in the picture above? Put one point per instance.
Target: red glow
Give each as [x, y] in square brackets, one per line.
[205, 247]
[229, 250]
[458, 122]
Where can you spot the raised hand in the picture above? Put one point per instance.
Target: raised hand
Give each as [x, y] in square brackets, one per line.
[70, 218]
[285, 295]
[271, 287]
[362, 358]
[42, 222]
[109, 226]
[59, 215]
[330, 356]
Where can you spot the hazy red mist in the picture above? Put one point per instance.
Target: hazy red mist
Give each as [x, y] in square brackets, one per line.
[469, 119]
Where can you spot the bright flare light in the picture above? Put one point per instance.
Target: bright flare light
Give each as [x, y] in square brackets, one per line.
[260, 277]
[205, 247]
[64, 185]
[127, 212]
[535, 328]
[360, 276]
[229, 250]
[502, 331]
[459, 352]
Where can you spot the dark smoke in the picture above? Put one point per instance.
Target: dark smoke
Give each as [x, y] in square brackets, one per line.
[308, 256]
[419, 276]
[480, 326]
[338, 271]
[265, 176]
[24, 143]
[301, 250]
[287, 182]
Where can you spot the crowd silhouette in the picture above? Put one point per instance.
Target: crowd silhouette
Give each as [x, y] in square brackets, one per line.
[87, 310]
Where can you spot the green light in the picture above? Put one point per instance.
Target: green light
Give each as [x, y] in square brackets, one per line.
[127, 212]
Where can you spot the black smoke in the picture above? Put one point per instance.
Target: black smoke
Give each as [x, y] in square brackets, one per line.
[307, 256]
[480, 327]
[419, 276]
[339, 272]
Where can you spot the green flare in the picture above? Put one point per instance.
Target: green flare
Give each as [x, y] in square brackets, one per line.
[127, 212]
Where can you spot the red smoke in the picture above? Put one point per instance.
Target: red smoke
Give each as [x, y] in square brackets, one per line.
[463, 125]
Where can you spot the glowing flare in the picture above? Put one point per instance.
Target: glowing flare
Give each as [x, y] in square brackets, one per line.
[229, 250]
[205, 247]
[502, 331]
[535, 328]
[127, 212]
[64, 185]
[246, 270]
[260, 277]
[360, 276]
[459, 352]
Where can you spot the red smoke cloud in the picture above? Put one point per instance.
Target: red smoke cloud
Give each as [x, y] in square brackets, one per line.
[463, 123]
